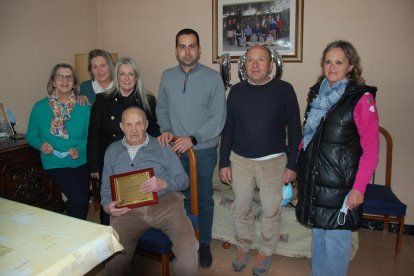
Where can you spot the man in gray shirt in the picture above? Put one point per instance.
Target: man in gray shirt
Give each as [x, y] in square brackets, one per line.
[138, 151]
[191, 105]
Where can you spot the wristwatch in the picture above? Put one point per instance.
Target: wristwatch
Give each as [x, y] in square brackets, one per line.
[193, 140]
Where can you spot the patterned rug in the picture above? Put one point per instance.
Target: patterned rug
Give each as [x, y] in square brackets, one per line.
[295, 239]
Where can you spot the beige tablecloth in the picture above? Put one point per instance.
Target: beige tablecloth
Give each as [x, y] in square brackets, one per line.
[34, 241]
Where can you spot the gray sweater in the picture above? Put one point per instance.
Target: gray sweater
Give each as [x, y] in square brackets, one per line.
[165, 163]
[192, 104]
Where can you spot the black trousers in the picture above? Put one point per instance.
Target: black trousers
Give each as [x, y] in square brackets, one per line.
[74, 184]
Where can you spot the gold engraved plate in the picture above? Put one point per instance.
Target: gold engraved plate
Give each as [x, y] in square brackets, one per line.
[125, 188]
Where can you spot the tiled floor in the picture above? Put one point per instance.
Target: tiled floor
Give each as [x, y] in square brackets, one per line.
[375, 257]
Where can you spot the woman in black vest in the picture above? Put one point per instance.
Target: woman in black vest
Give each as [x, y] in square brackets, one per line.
[338, 157]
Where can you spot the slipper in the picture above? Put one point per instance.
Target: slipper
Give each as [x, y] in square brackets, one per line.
[261, 271]
[240, 266]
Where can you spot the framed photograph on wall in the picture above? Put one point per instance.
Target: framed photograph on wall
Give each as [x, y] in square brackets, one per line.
[240, 24]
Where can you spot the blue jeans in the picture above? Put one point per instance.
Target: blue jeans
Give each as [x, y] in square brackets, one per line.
[331, 251]
[206, 162]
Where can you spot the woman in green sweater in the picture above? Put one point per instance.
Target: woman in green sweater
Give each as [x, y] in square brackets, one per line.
[58, 127]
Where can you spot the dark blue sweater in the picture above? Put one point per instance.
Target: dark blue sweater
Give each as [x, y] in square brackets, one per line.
[258, 118]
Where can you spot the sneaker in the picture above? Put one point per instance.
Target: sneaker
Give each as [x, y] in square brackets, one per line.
[205, 255]
[240, 260]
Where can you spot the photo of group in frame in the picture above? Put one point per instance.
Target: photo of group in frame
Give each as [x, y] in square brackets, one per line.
[240, 24]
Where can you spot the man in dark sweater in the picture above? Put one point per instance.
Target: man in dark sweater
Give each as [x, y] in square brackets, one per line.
[261, 111]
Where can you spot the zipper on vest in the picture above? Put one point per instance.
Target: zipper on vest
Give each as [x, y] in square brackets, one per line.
[310, 215]
[345, 164]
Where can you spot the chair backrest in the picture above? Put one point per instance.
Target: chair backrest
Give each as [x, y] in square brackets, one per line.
[192, 160]
[388, 157]
[193, 181]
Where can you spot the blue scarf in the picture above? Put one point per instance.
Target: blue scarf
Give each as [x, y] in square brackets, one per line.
[327, 97]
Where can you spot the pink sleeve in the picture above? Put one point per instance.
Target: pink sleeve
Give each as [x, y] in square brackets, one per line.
[367, 122]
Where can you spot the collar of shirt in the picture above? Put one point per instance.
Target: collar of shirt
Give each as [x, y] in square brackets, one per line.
[97, 88]
[132, 150]
[192, 70]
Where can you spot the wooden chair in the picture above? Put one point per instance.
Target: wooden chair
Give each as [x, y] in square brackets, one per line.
[381, 204]
[154, 243]
[96, 197]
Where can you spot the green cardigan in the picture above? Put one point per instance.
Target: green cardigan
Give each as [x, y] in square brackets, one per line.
[77, 127]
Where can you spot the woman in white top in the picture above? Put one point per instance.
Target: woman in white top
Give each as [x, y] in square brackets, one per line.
[100, 68]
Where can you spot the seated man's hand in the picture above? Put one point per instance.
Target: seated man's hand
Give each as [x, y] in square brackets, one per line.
[225, 175]
[153, 185]
[112, 210]
[165, 138]
[83, 100]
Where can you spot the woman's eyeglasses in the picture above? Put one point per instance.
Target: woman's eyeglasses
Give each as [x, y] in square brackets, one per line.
[60, 77]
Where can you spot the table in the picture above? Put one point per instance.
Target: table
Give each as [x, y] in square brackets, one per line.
[35, 241]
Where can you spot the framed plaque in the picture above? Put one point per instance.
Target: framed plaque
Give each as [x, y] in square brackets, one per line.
[125, 188]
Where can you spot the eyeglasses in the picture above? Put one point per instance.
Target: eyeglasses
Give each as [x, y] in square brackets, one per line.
[60, 77]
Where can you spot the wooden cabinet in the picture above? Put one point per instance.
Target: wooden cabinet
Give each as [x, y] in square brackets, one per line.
[23, 179]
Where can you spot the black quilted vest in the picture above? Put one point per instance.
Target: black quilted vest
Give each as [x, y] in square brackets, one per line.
[328, 167]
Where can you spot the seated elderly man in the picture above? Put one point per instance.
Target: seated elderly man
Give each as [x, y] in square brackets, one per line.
[137, 151]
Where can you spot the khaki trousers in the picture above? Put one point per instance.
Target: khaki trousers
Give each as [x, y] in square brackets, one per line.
[267, 175]
[168, 215]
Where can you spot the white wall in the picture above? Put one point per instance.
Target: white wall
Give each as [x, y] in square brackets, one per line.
[379, 29]
[37, 34]
[34, 36]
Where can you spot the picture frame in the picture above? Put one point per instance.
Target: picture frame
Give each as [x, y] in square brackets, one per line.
[6, 129]
[281, 19]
